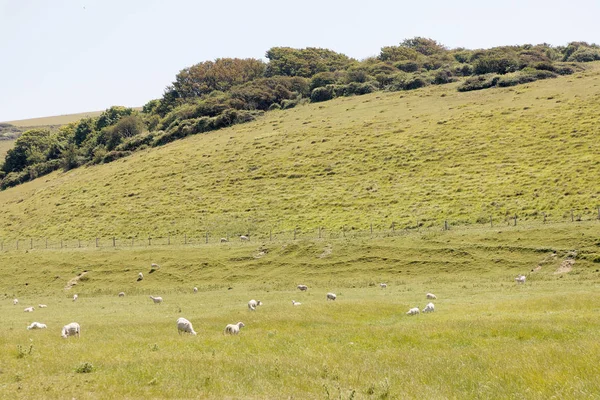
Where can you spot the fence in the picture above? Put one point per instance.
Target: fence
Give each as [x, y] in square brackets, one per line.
[323, 233]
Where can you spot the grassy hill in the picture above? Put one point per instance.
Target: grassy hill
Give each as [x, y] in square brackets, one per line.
[55, 120]
[408, 158]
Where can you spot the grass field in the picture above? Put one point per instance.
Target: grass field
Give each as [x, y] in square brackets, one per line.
[55, 120]
[5, 145]
[488, 338]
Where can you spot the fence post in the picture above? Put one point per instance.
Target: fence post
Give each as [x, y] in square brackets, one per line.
[79, 243]
[185, 238]
[206, 237]
[393, 227]
[491, 222]
[270, 235]
[544, 214]
[169, 239]
[114, 242]
[294, 233]
[132, 241]
[31, 243]
[46, 242]
[515, 219]
[320, 227]
[446, 225]
[149, 241]
[344, 230]
[17, 244]
[598, 213]
[371, 229]
[572, 219]
[61, 243]
[96, 242]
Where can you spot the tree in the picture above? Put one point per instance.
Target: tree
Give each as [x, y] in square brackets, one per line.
[304, 62]
[112, 115]
[83, 129]
[30, 148]
[424, 46]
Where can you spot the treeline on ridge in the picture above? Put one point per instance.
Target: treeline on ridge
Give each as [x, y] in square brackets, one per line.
[215, 94]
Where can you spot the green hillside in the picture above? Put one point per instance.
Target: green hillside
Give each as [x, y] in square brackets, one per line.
[407, 158]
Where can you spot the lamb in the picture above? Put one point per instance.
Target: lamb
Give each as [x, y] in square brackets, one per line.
[195, 289]
[244, 238]
[75, 297]
[36, 325]
[156, 300]
[72, 329]
[15, 302]
[140, 276]
[302, 288]
[295, 303]
[28, 309]
[42, 306]
[429, 308]
[233, 329]
[252, 304]
[183, 325]
[520, 279]
[383, 285]
[121, 294]
[413, 311]
[331, 296]
[431, 296]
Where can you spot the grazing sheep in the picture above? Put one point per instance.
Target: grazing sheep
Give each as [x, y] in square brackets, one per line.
[75, 297]
[252, 304]
[36, 325]
[233, 329]
[15, 302]
[244, 238]
[72, 329]
[431, 296]
[183, 325]
[28, 309]
[154, 266]
[520, 279]
[383, 285]
[156, 300]
[331, 296]
[295, 303]
[140, 276]
[224, 240]
[121, 294]
[42, 306]
[429, 308]
[302, 288]
[413, 311]
[195, 289]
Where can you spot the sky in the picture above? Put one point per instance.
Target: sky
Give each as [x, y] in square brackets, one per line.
[69, 56]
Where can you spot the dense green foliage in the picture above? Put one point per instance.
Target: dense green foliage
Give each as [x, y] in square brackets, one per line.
[215, 94]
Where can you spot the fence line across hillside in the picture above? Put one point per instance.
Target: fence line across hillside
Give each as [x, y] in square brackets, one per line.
[323, 233]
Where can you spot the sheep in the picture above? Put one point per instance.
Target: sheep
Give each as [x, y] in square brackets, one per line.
[156, 300]
[383, 285]
[302, 288]
[331, 296]
[28, 309]
[233, 329]
[520, 279]
[224, 240]
[429, 308]
[195, 289]
[183, 325]
[154, 266]
[431, 296]
[42, 306]
[413, 311]
[252, 304]
[75, 297]
[244, 238]
[295, 303]
[36, 325]
[121, 294]
[72, 329]
[140, 276]
[15, 302]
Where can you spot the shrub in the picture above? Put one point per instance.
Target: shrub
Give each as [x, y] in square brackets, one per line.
[479, 82]
[408, 66]
[274, 106]
[443, 76]
[322, 94]
[584, 54]
[115, 155]
[495, 64]
[136, 142]
[322, 79]
[84, 368]
[524, 76]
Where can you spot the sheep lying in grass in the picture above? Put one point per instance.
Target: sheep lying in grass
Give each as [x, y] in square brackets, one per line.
[156, 300]
[75, 297]
[36, 325]
[15, 302]
[224, 240]
[413, 311]
[183, 325]
[140, 277]
[383, 285]
[234, 329]
[154, 266]
[42, 306]
[295, 303]
[121, 294]
[431, 296]
[520, 279]
[244, 238]
[195, 289]
[252, 304]
[429, 308]
[28, 309]
[302, 288]
[72, 329]
[331, 296]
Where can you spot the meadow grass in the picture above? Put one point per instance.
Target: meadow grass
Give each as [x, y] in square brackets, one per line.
[488, 338]
[54, 120]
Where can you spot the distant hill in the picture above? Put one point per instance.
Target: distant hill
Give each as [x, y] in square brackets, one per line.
[56, 120]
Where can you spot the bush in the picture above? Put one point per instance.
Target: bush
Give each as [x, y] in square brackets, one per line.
[84, 368]
[274, 106]
[524, 76]
[322, 94]
[408, 66]
[136, 142]
[495, 64]
[405, 81]
[322, 79]
[14, 178]
[479, 82]
[443, 76]
[584, 54]
[115, 155]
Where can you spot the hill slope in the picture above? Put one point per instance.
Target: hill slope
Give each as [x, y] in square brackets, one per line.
[425, 155]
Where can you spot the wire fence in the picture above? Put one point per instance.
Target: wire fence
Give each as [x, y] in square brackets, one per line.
[316, 233]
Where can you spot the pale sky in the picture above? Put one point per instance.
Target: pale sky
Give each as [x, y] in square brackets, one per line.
[69, 56]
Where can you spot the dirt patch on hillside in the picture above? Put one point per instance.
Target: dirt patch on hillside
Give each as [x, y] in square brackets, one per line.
[326, 251]
[565, 266]
[75, 280]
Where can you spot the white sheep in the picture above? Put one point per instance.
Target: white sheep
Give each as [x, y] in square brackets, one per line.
[15, 302]
[156, 300]
[431, 296]
[121, 294]
[36, 325]
[183, 325]
[195, 289]
[244, 238]
[42, 306]
[383, 285]
[302, 288]
[520, 279]
[252, 304]
[295, 303]
[429, 308]
[331, 296]
[413, 311]
[224, 240]
[154, 266]
[72, 329]
[75, 297]
[233, 329]
[140, 276]
[28, 309]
